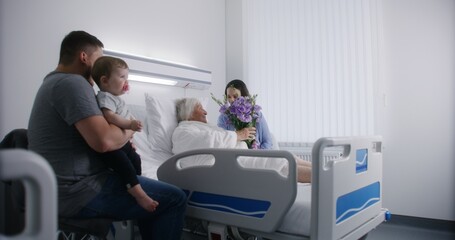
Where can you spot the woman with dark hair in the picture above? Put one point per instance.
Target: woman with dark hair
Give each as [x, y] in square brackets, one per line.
[233, 90]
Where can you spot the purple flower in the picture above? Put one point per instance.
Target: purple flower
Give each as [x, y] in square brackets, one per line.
[254, 145]
[224, 107]
[243, 112]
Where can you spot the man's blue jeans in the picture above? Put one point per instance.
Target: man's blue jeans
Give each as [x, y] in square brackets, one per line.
[114, 201]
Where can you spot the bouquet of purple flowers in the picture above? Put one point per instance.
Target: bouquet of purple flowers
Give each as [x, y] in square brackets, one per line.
[242, 113]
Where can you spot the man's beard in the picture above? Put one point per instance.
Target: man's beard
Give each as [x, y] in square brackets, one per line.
[87, 75]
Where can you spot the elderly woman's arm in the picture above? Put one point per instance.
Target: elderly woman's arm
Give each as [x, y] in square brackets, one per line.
[194, 135]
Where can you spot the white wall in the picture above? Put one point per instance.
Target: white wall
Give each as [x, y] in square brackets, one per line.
[419, 116]
[234, 40]
[190, 32]
[415, 108]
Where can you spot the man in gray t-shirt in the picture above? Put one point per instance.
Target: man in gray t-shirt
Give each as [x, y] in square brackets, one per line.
[53, 134]
[67, 128]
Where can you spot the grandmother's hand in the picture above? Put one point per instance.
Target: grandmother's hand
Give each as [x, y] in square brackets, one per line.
[248, 133]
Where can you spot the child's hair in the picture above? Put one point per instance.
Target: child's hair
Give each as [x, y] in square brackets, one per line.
[104, 66]
[184, 108]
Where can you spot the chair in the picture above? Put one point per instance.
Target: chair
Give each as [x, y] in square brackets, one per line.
[69, 228]
[41, 188]
[13, 189]
[84, 229]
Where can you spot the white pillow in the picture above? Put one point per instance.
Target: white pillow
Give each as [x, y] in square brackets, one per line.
[161, 122]
[139, 113]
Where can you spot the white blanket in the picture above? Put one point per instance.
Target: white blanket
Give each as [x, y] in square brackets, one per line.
[190, 135]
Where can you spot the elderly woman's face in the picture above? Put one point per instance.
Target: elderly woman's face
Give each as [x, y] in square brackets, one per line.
[199, 114]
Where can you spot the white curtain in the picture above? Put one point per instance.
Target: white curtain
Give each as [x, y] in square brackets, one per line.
[313, 64]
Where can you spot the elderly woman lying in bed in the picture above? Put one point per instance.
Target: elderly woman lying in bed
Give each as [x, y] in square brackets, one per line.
[193, 132]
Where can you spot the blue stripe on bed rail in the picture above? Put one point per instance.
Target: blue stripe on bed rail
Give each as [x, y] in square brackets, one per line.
[361, 162]
[356, 201]
[235, 205]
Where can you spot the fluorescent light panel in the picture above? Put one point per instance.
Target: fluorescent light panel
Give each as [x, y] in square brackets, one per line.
[147, 79]
[160, 72]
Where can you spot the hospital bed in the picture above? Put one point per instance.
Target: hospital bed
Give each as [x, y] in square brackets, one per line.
[344, 200]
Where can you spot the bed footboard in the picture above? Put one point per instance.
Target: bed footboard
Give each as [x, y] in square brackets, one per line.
[347, 191]
[227, 193]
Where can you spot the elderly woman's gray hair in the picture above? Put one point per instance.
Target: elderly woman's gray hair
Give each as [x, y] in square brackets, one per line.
[185, 107]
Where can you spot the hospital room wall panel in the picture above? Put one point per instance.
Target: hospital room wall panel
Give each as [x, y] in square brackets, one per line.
[419, 43]
[188, 32]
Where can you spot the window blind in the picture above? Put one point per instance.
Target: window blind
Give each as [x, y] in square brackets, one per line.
[313, 64]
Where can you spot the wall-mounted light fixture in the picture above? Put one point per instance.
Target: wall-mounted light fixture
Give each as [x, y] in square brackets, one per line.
[150, 70]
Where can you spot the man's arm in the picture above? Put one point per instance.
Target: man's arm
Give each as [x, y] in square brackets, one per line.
[102, 136]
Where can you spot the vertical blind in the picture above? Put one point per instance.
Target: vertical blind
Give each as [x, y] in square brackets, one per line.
[313, 64]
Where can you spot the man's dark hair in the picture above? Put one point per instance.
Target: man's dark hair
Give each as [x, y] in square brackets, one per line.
[75, 42]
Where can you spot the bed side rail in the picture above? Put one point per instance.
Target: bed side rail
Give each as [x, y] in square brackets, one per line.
[347, 191]
[230, 194]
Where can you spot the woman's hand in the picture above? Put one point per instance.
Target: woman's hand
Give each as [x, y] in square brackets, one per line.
[246, 133]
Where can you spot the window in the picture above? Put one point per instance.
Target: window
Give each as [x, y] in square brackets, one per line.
[313, 64]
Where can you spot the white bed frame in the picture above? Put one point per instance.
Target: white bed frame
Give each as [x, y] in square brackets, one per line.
[346, 193]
